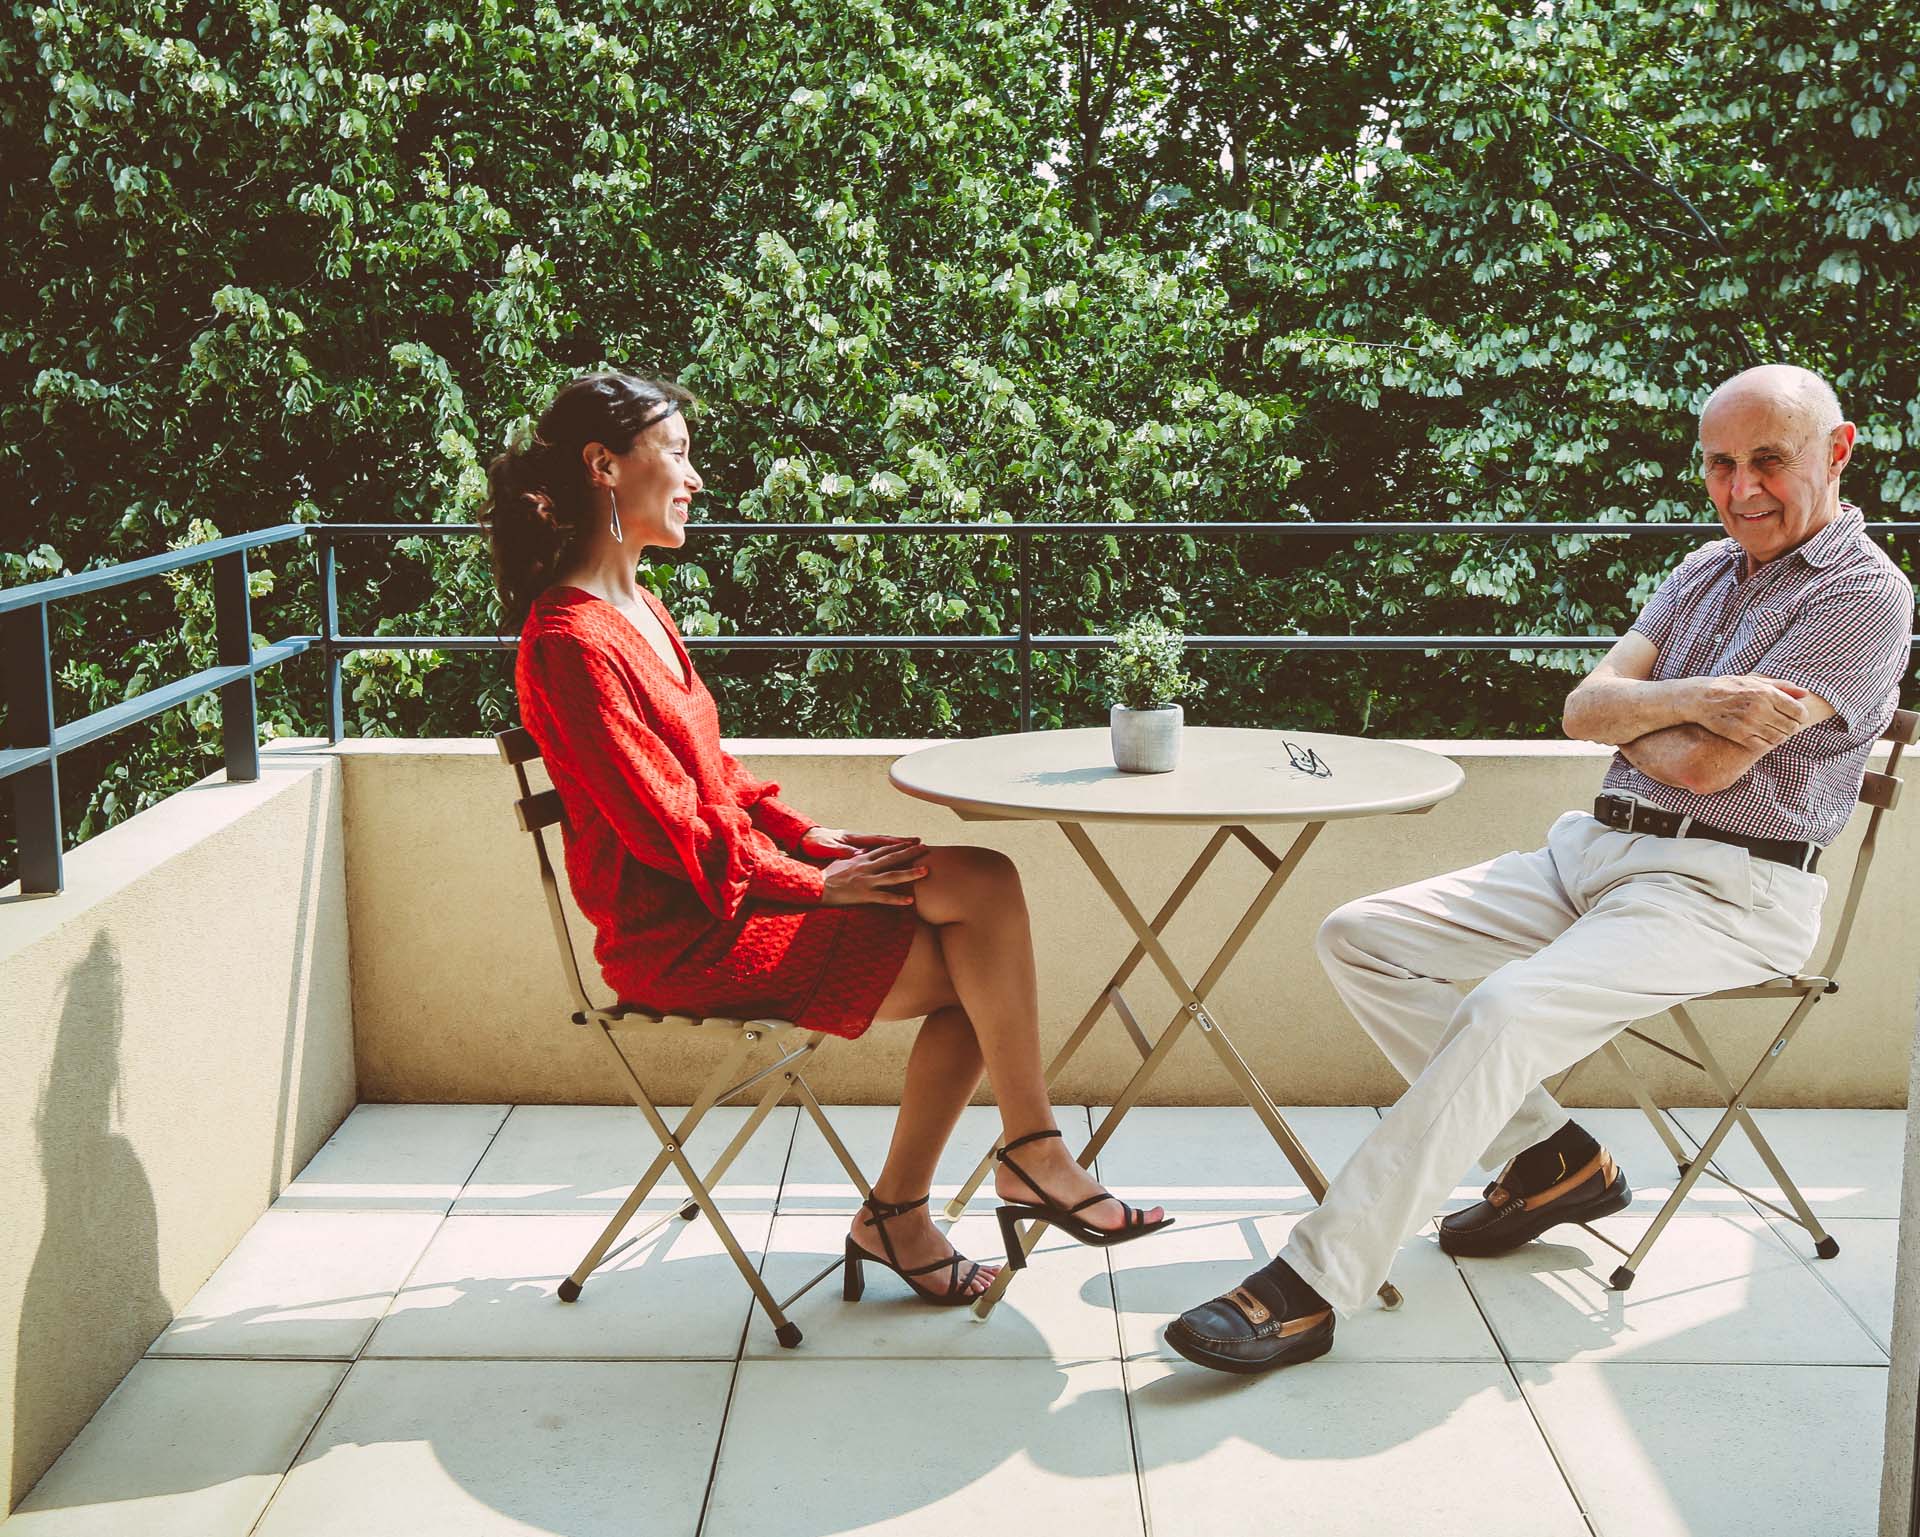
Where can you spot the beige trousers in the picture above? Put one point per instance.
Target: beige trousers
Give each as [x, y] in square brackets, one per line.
[1575, 941]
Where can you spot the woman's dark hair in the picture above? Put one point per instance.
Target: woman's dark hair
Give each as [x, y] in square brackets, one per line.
[537, 496]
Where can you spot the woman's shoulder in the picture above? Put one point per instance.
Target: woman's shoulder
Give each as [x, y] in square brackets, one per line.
[569, 617]
[562, 631]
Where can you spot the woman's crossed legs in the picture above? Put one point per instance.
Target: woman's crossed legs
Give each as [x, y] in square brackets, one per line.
[970, 972]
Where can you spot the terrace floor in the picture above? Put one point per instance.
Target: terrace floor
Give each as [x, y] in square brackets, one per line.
[383, 1354]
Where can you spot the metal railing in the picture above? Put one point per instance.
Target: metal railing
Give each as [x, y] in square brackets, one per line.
[36, 740]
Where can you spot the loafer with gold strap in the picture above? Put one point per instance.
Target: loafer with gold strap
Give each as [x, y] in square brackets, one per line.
[1505, 1218]
[1247, 1331]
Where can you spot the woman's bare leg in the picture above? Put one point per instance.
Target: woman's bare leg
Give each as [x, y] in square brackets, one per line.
[943, 1070]
[973, 899]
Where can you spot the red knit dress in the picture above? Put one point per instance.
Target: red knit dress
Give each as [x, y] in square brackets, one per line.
[682, 861]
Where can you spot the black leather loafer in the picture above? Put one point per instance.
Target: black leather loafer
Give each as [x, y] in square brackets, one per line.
[1507, 1218]
[1240, 1333]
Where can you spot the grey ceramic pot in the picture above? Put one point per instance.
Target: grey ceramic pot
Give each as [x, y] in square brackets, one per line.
[1146, 741]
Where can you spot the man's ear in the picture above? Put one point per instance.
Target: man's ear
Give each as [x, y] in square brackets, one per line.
[1840, 449]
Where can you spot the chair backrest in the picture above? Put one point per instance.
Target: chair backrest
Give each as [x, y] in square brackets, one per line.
[1880, 789]
[536, 812]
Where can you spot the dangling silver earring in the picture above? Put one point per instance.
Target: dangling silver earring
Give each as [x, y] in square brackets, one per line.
[613, 515]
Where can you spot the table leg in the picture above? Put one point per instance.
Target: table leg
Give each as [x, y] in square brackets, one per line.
[1193, 1008]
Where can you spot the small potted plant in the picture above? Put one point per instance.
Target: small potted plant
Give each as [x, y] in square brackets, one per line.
[1146, 683]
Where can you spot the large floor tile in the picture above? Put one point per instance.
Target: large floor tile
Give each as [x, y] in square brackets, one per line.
[1222, 1158]
[1061, 1307]
[1345, 1449]
[1714, 1289]
[486, 1287]
[508, 1449]
[302, 1283]
[1722, 1451]
[1861, 1274]
[558, 1159]
[1846, 1162]
[395, 1158]
[816, 1182]
[181, 1449]
[1206, 1254]
[936, 1447]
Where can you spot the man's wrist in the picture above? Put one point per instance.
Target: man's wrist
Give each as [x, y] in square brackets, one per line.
[1683, 697]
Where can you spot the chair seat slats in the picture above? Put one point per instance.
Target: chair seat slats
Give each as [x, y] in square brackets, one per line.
[629, 1016]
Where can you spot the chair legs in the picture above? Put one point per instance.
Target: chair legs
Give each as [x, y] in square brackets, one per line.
[1692, 1166]
[783, 1079]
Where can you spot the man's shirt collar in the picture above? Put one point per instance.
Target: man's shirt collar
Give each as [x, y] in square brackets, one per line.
[1825, 547]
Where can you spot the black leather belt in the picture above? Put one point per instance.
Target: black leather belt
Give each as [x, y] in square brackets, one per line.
[1632, 816]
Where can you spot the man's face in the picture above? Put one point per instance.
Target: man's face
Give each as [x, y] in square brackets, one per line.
[1772, 474]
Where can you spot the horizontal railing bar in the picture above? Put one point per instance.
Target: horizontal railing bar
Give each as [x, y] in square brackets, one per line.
[155, 701]
[169, 696]
[15, 760]
[345, 643]
[1011, 642]
[1006, 530]
[56, 588]
[1197, 642]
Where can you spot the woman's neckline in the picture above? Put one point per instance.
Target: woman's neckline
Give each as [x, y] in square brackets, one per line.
[684, 678]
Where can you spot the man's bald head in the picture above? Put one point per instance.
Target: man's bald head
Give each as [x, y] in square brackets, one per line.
[1799, 392]
[1773, 442]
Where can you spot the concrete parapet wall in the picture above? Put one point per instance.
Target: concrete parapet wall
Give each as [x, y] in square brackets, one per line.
[178, 1044]
[458, 995]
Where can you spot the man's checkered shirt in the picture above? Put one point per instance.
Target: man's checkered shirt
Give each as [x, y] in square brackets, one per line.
[1834, 616]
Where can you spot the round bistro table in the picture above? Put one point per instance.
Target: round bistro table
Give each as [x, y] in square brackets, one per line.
[1230, 779]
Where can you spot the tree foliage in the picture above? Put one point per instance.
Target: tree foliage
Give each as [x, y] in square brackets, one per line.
[930, 260]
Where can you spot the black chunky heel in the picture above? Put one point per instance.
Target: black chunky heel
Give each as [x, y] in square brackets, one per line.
[855, 1281]
[1067, 1219]
[1010, 1237]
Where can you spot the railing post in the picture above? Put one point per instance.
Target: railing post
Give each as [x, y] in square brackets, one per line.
[1024, 544]
[329, 630]
[233, 640]
[36, 791]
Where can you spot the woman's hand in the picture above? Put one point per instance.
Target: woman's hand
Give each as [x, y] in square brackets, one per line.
[875, 874]
[832, 843]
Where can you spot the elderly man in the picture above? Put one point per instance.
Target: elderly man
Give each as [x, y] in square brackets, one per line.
[1743, 703]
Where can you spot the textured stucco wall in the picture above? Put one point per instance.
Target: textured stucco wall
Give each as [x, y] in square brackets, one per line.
[178, 1042]
[458, 996]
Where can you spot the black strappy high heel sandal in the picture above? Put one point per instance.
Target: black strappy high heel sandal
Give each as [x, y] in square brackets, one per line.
[1047, 1210]
[854, 1283]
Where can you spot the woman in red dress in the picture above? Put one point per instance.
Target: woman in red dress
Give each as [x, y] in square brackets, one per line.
[706, 893]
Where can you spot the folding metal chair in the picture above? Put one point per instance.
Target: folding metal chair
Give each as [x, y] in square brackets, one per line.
[1881, 791]
[738, 1037]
